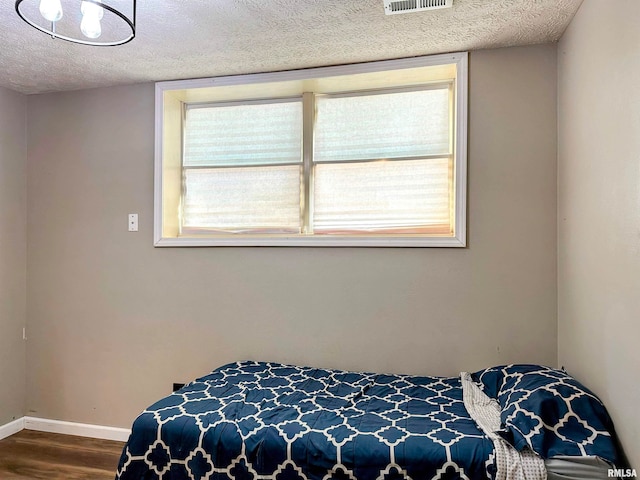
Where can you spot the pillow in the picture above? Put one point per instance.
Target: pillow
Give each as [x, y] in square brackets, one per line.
[549, 411]
[490, 380]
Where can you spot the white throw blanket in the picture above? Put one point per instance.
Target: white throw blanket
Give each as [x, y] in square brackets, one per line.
[510, 464]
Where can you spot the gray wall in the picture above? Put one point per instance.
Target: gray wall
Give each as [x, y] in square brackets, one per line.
[115, 321]
[599, 208]
[13, 251]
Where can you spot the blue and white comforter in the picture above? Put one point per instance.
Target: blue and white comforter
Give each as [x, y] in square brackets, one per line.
[269, 421]
[266, 421]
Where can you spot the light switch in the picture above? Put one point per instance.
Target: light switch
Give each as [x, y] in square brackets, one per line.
[133, 222]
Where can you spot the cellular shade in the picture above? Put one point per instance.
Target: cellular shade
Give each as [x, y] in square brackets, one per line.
[402, 196]
[243, 199]
[383, 125]
[250, 134]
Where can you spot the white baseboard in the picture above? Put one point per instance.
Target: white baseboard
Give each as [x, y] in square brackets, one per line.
[65, 428]
[78, 429]
[11, 428]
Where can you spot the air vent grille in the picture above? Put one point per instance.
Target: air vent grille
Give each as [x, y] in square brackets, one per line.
[393, 7]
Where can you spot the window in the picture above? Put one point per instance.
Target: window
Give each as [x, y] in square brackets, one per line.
[241, 168]
[362, 155]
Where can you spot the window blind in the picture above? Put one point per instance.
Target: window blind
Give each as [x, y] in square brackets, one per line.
[243, 200]
[383, 125]
[384, 196]
[243, 134]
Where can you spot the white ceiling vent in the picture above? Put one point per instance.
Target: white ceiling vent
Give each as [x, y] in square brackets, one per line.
[392, 7]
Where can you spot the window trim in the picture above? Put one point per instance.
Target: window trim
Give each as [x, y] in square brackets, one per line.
[459, 151]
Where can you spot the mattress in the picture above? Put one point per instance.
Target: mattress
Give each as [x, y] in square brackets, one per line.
[577, 468]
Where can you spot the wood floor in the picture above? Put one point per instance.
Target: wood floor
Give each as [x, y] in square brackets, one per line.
[37, 455]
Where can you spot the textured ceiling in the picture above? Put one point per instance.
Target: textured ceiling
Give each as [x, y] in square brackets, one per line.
[180, 39]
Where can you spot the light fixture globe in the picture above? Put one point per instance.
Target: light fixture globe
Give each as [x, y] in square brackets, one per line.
[104, 23]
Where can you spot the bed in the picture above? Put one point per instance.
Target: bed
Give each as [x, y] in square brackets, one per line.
[259, 420]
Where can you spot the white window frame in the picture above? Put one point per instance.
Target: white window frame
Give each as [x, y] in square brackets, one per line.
[168, 110]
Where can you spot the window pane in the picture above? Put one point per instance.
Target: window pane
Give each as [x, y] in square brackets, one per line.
[248, 199]
[252, 134]
[389, 125]
[390, 196]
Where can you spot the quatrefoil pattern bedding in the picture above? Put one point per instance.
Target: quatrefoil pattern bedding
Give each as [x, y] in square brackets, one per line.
[251, 421]
[267, 421]
[550, 412]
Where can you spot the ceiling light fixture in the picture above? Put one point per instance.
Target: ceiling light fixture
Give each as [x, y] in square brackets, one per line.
[88, 22]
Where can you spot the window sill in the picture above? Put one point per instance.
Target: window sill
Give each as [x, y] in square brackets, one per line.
[312, 241]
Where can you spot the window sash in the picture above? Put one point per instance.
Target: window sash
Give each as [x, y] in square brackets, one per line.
[229, 189]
